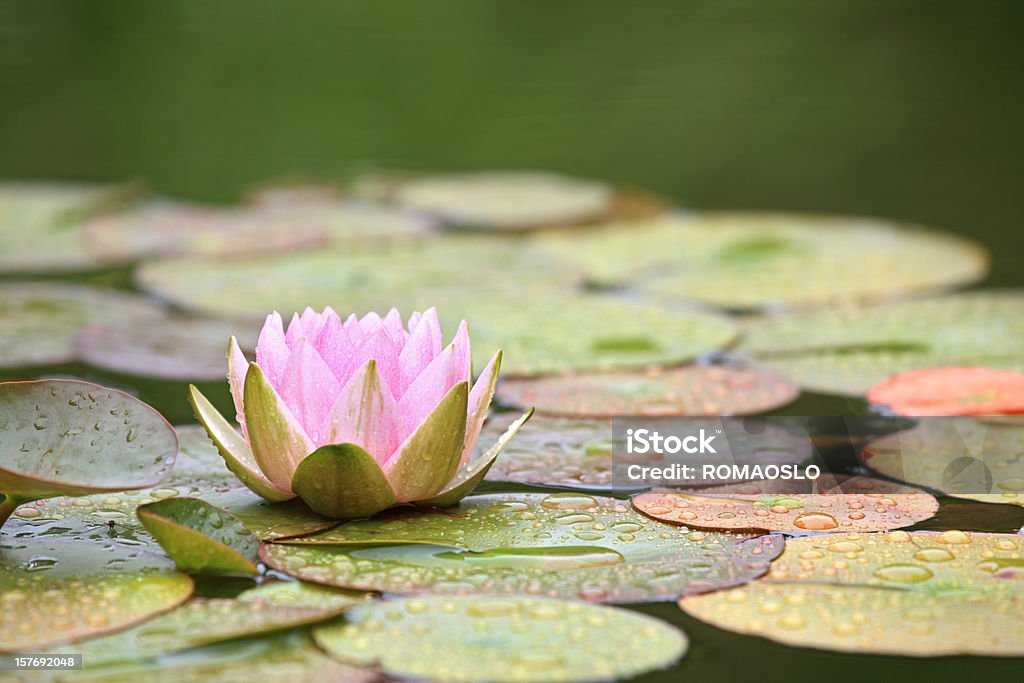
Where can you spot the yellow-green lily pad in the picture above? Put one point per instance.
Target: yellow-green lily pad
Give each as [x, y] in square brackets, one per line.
[772, 261]
[65, 437]
[690, 390]
[976, 458]
[849, 350]
[476, 638]
[199, 537]
[302, 594]
[41, 319]
[897, 593]
[59, 591]
[560, 545]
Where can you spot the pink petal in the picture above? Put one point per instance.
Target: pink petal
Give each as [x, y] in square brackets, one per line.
[479, 399]
[237, 367]
[393, 324]
[461, 358]
[271, 349]
[423, 395]
[334, 346]
[423, 345]
[378, 346]
[309, 389]
[365, 414]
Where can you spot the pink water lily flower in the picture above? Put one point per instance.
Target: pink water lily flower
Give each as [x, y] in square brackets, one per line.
[356, 416]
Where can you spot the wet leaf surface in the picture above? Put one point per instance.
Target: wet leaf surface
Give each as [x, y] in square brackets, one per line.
[57, 591]
[41, 319]
[772, 261]
[301, 594]
[559, 545]
[69, 437]
[853, 504]
[199, 537]
[477, 638]
[951, 391]
[901, 593]
[176, 348]
[976, 458]
[691, 390]
[848, 350]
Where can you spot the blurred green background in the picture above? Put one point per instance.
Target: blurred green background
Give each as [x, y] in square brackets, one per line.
[906, 109]
[909, 109]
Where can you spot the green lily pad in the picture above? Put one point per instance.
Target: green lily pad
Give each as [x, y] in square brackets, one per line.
[288, 657]
[965, 457]
[40, 224]
[199, 537]
[560, 545]
[506, 200]
[59, 591]
[900, 593]
[849, 350]
[691, 390]
[302, 594]
[853, 504]
[41, 319]
[70, 437]
[199, 622]
[350, 279]
[174, 347]
[751, 260]
[577, 452]
[476, 638]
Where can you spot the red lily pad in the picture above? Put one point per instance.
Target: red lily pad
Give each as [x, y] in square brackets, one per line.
[954, 390]
[855, 504]
[691, 390]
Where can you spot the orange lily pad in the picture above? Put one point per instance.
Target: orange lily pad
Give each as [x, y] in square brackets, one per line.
[958, 390]
[852, 504]
[691, 390]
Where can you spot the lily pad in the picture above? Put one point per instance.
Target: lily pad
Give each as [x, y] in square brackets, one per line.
[57, 591]
[854, 504]
[477, 638]
[965, 457]
[175, 347]
[691, 390]
[357, 279]
[951, 391]
[40, 224]
[849, 350]
[899, 593]
[199, 537]
[560, 545]
[302, 594]
[506, 200]
[577, 452]
[70, 437]
[771, 261]
[199, 622]
[41, 319]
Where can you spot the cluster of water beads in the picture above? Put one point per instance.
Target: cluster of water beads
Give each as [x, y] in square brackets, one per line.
[502, 638]
[559, 545]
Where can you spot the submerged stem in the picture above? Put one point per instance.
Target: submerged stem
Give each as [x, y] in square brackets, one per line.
[6, 508]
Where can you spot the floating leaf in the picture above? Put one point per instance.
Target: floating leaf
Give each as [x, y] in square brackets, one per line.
[41, 319]
[691, 390]
[175, 347]
[69, 437]
[506, 200]
[56, 591]
[199, 537]
[39, 224]
[751, 260]
[974, 458]
[577, 452]
[302, 594]
[199, 622]
[901, 593]
[849, 350]
[951, 391]
[477, 638]
[564, 544]
[854, 504]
